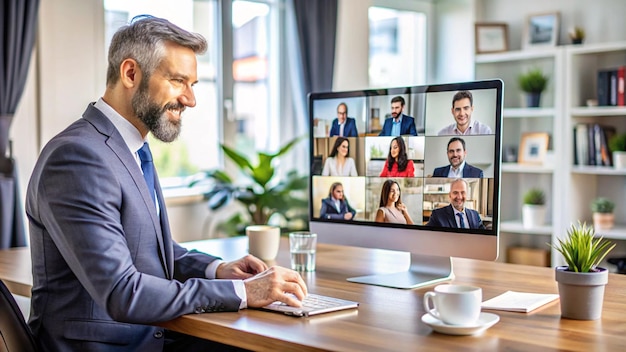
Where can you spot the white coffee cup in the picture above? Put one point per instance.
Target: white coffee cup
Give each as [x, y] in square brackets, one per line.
[263, 241]
[454, 304]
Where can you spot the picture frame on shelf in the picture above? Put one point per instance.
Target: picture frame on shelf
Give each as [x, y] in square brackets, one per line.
[491, 37]
[542, 30]
[533, 148]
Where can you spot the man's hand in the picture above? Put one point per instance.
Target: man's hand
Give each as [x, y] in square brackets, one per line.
[243, 268]
[273, 285]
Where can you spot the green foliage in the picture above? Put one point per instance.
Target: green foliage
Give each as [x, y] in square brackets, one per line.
[577, 33]
[262, 196]
[533, 81]
[617, 143]
[171, 159]
[582, 251]
[534, 196]
[602, 205]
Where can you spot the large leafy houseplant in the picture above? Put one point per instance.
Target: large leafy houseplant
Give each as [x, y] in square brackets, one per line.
[263, 197]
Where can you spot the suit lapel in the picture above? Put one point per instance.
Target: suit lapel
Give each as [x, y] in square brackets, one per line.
[451, 217]
[119, 147]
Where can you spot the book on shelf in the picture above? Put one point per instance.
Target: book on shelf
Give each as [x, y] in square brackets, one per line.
[524, 302]
[591, 144]
[611, 89]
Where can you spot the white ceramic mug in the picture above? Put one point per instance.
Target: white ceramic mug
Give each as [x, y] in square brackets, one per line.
[454, 304]
[263, 241]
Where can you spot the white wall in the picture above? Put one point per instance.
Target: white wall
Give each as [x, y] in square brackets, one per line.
[69, 69]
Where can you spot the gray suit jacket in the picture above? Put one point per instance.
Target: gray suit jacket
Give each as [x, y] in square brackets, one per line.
[104, 263]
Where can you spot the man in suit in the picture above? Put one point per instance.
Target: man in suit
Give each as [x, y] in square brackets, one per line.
[456, 215]
[462, 109]
[398, 124]
[343, 125]
[105, 267]
[458, 167]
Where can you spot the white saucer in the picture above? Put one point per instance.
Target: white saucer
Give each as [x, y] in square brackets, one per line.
[485, 321]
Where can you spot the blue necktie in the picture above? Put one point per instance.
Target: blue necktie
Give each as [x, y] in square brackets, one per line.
[147, 167]
[461, 221]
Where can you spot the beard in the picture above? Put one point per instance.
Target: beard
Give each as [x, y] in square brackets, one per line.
[154, 116]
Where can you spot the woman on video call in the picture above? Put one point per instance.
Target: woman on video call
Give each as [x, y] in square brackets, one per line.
[338, 162]
[398, 163]
[391, 209]
[336, 206]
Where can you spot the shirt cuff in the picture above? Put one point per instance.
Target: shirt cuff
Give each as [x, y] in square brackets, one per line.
[210, 270]
[240, 288]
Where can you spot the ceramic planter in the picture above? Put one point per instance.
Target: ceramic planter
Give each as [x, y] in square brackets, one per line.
[619, 160]
[533, 215]
[603, 221]
[581, 294]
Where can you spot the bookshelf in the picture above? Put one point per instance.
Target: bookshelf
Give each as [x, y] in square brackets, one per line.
[585, 182]
[569, 188]
[517, 178]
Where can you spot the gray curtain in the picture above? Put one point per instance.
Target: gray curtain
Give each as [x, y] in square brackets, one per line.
[317, 27]
[17, 37]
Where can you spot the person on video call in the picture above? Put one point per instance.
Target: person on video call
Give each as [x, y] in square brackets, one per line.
[338, 162]
[398, 163]
[456, 215]
[391, 209]
[105, 267]
[462, 109]
[336, 206]
[398, 124]
[458, 167]
[343, 125]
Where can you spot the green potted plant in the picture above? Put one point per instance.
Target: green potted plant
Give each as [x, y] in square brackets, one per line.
[603, 217]
[581, 282]
[577, 35]
[617, 146]
[533, 82]
[262, 197]
[533, 209]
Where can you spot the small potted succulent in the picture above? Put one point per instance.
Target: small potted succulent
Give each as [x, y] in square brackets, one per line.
[533, 83]
[577, 35]
[603, 217]
[617, 145]
[581, 282]
[534, 210]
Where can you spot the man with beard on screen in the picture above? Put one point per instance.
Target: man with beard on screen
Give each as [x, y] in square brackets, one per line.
[105, 267]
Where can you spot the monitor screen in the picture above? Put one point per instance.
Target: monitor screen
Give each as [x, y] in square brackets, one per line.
[413, 169]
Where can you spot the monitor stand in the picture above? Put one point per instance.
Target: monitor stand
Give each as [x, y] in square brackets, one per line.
[424, 270]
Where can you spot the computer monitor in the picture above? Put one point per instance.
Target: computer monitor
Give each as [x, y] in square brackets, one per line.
[438, 168]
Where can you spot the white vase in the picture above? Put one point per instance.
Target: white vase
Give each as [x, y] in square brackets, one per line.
[619, 160]
[533, 215]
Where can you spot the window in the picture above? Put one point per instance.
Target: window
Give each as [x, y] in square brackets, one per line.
[397, 47]
[250, 110]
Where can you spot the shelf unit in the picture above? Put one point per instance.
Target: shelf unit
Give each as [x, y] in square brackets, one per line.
[517, 119]
[584, 183]
[569, 188]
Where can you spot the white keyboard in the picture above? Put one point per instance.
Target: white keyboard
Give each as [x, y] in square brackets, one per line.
[313, 304]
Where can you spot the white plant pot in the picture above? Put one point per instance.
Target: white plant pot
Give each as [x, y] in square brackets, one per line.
[619, 160]
[603, 221]
[533, 215]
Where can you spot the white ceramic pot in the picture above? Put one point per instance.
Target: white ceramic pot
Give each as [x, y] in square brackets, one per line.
[603, 221]
[533, 215]
[619, 160]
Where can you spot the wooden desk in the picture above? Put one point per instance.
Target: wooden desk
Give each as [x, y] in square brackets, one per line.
[382, 322]
[15, 270]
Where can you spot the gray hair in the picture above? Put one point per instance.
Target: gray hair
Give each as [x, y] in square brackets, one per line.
[143, 40]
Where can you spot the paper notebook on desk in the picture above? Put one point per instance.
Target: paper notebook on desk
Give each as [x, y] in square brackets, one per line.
[519, 301]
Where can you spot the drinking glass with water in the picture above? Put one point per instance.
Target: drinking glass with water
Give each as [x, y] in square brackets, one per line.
[302, 248]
